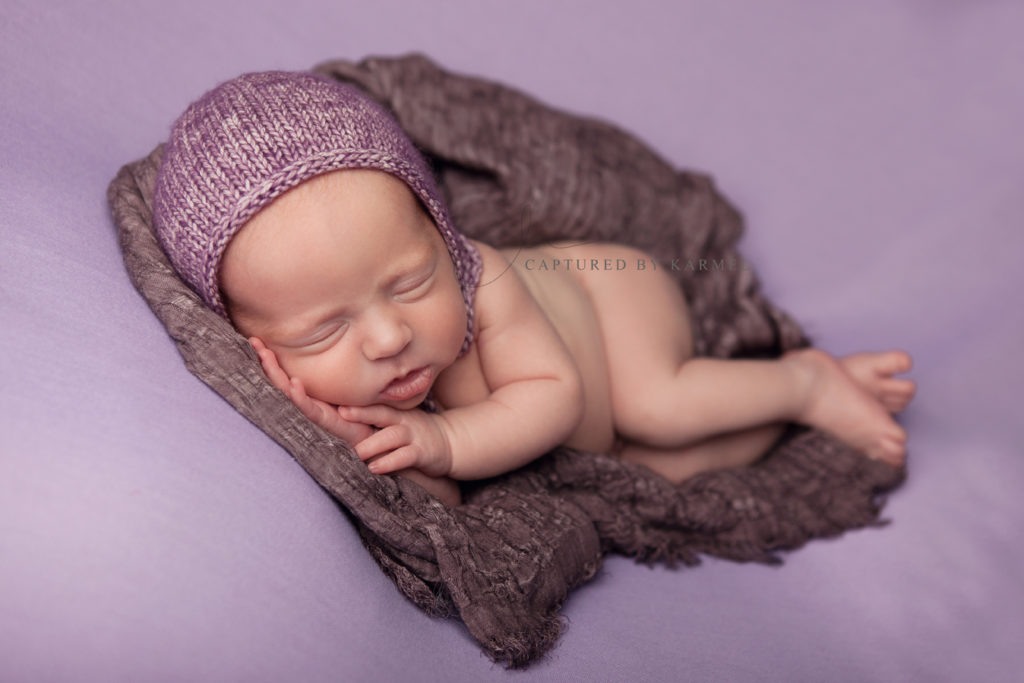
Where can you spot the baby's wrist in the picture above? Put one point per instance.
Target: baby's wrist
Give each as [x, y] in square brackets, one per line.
[445, 454]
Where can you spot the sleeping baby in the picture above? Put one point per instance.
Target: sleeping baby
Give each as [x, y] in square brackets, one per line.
[298, 209]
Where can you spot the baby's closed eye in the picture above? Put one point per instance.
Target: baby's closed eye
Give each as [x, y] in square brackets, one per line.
[415, 286]
[323, 336]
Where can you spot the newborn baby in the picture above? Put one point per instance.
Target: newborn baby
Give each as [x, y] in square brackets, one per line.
[298, 209]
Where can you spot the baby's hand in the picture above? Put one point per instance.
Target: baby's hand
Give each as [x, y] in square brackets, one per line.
[317, 411]
[407, 438]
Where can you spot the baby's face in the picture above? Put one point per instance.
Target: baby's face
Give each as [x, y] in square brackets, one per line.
[348, 281]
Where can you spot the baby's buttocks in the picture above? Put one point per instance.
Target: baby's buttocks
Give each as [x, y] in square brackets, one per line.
[560, 294]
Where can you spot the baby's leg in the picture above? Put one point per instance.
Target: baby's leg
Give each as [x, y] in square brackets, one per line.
[442, 487]
[735, 449]
[872, 371]
[663, 398]
[807, 386]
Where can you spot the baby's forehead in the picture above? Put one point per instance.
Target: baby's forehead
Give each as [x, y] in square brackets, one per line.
[333, 193]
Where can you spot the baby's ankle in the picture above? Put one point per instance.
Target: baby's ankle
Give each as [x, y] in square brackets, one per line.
[809, 368]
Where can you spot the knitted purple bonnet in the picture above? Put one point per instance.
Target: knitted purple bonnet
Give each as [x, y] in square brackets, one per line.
[252, 138]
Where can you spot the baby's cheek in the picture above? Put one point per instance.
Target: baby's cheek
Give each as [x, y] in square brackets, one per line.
[329, 377]
[300, 368]
[446, 319]
[312, 376]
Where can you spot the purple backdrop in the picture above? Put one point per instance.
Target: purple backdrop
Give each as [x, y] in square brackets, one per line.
[148, 532]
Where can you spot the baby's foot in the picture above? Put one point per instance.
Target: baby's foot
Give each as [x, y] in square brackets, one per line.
[838, 404]
[874, 372]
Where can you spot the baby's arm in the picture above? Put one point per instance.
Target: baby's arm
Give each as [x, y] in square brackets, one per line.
[536, 398]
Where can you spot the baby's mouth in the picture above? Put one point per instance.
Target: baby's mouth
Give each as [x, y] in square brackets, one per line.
[408, 385]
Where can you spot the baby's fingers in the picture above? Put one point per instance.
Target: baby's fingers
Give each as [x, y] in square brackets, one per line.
[326, 415]
[382, 441]
[378, 415]
[275, 373]
[400, 459]
[297, 393]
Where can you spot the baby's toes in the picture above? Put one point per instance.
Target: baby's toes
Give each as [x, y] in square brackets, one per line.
[891, 451]
[894, 362]
[895, 394]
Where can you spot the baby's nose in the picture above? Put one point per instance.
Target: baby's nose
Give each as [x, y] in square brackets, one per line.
[387, 335]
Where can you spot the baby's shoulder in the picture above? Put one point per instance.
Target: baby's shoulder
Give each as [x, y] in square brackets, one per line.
[486, 251]
[494, 263]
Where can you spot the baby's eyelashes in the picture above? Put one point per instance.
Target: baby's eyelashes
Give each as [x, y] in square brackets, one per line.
[326, 333]
[414, 287]
[317, 338]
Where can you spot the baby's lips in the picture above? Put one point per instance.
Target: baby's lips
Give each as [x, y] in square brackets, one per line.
[412, 383]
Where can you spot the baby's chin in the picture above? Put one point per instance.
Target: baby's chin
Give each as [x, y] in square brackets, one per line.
[407, 404]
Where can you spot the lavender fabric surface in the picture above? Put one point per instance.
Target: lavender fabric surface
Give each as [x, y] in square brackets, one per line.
[875, 152]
